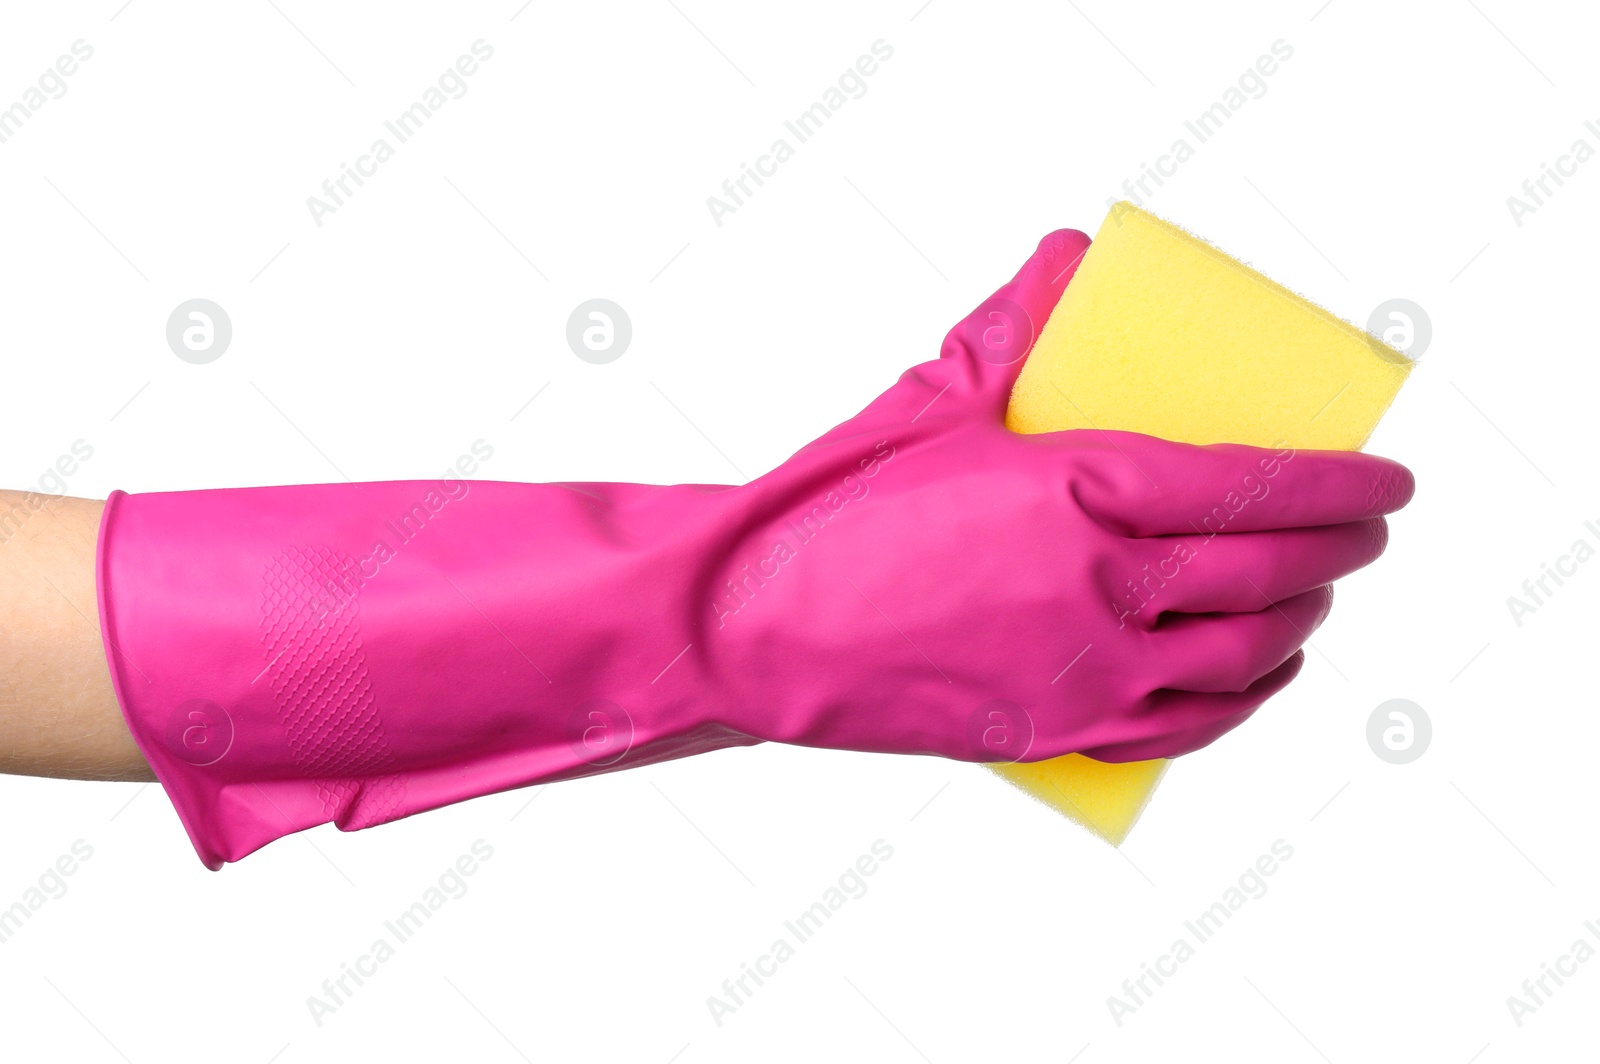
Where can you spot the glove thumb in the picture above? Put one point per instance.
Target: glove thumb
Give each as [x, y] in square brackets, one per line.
[990, 345]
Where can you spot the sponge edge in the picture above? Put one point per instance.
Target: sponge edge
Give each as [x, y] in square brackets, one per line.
[1105, 798]
[1163, 334]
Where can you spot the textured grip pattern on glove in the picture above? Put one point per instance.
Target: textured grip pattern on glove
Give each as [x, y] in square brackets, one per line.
[318, 672]
[1387, 489]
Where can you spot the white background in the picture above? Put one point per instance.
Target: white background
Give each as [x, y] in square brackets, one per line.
[415, 320]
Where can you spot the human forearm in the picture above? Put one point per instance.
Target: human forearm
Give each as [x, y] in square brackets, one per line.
[58, 713]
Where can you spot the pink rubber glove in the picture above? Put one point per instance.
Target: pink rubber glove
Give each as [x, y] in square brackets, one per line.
[359, 652]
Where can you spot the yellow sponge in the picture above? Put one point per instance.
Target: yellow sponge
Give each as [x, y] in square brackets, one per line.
[1161, 333]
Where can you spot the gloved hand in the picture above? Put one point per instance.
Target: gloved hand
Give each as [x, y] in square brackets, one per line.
[359, 652]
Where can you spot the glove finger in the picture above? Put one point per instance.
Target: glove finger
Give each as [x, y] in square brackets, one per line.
[983, 354]
[1185, 721]
[1244, 573]
[1143, 486]
[1224, 653]
[990, 345]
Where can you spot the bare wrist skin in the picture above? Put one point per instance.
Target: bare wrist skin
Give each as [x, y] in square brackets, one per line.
[58, 714]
